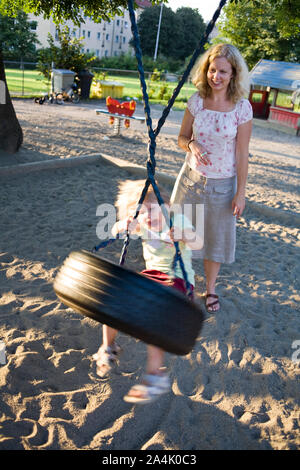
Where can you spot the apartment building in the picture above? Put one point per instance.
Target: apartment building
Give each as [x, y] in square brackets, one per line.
[104, 39]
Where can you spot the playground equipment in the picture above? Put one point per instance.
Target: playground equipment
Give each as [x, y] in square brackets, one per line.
[119, 112]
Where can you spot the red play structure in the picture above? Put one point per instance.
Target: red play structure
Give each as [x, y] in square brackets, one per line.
[126, 108]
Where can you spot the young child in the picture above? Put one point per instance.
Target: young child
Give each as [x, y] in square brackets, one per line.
[158, 253]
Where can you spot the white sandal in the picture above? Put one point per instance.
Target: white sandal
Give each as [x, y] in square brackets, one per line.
[153, 387]
[106, 359]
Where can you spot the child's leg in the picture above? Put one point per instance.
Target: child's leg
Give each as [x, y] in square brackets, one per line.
[106, 356]
[154, 383]
[154, 360]
[109, 335]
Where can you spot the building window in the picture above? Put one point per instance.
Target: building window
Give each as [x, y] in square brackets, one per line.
[126, 24]
[89, 34]
[87, 50]
[106, 53]
[118, 22]
[74, 33]
[117, 38]
[56, 34]
[97, 52]
[33, 25]
[107, 37]
[98, 35]
[83, 33]
[124, 39]
[115, 53]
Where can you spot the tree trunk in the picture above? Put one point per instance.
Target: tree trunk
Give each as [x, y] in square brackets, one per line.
[11, 135]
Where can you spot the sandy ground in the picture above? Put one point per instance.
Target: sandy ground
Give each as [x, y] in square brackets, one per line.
[237, 389]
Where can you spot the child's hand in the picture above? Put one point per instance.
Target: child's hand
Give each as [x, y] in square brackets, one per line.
[128, 224]
[131, 224]
[171, 234]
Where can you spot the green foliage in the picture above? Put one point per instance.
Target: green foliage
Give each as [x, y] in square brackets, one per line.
[162, 91]
[16, 38]
[192, 29]
[128, 62]
[260, 31]
[155, 76]
[74, 10]
[180, 32]
[68, 55]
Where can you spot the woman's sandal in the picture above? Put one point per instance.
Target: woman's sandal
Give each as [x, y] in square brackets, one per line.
[151, 388]
[209, 306]
[106, 359]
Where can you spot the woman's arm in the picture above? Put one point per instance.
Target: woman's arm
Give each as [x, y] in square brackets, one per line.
[185, 139]
[242, 155]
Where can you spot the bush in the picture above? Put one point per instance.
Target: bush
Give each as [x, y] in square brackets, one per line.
[128, 62]
[155, 76]
[67, 56]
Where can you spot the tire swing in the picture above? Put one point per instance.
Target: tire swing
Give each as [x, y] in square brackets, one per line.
[119, 297]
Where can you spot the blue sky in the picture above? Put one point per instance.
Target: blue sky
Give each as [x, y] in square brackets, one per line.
[205, 7]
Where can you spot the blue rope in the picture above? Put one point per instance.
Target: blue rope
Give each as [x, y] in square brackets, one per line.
[151, 163]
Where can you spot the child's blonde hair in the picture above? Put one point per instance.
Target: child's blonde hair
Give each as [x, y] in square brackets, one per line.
[129, 194]
[239, 85]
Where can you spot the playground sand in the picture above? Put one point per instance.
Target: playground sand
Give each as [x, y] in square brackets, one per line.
[237, 389]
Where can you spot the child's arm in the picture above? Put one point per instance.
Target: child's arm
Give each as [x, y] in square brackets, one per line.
[190, 237]
[126, 224]
[185, 232]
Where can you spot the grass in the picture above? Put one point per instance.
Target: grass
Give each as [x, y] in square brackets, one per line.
[34, 84]
[132, 89]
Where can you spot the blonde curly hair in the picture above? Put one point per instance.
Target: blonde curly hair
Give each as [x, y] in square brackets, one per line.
[129, 194]
[239, 85]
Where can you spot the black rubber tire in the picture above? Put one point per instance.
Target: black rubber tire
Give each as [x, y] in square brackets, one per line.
[75, 98]
[129, 302]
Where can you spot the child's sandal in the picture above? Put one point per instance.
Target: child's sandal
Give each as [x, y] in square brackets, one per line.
[106, 359]
[114, 349]
[152, 387]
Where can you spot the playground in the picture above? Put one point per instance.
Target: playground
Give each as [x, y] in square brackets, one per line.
[237, 389]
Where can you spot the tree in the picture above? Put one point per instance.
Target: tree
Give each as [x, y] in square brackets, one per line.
[17, 38]
[192, 29]
[180, 32]
[11, 135]
[68, 55]
[259, 31]
[170, 31]
[10, 130]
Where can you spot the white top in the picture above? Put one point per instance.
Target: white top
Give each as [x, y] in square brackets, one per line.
[159, 250]
[216, 131]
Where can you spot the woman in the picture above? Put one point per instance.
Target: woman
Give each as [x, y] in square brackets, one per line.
[215, 133]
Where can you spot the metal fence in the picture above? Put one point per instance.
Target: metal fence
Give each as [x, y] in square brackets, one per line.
[21, 80]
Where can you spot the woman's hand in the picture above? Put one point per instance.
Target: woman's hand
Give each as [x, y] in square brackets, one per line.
[199, 152]
[238, 204]
[186, 131]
